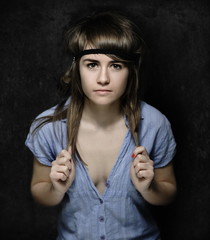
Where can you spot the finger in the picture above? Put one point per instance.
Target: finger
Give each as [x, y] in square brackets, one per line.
[141, 166]
[62, 161]
[147, 174]
[62, 177]
[58, 176]
[139, 150]
[69, 150]
[64, 153]
[140, 158]
[140, 174]
[62, 169]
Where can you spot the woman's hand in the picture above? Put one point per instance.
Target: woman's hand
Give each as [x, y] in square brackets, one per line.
[62, 171]
[142, 170]
[157, 186]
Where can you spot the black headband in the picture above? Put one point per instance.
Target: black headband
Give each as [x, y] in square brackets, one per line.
[125, 56]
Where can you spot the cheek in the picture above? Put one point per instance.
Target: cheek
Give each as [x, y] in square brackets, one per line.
[84, 86]
[124, 87]
[84, 81]
[124, 82]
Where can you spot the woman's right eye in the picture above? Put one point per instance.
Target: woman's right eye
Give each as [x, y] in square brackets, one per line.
[91, 65]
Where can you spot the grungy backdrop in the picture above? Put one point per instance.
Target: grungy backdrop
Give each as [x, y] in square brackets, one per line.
[176, 78]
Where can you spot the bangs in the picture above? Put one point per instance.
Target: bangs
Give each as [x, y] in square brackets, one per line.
[109, 32]
[111, 40]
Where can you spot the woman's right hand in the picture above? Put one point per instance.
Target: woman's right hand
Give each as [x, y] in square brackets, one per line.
[62, 171]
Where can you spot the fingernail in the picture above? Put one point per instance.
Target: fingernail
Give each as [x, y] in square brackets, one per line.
[133, 155]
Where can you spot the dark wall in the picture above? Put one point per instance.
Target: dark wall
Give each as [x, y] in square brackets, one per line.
[177, 81]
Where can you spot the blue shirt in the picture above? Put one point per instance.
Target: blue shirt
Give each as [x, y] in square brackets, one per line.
[120, 213]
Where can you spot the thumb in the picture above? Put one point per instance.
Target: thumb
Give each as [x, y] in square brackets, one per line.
[69, 149]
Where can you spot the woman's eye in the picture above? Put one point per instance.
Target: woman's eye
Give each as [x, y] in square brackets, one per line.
[117, 66]
[91, 65]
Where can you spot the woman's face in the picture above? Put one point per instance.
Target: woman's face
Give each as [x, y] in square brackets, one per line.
[103, 79]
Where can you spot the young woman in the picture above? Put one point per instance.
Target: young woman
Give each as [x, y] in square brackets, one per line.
[102, 152]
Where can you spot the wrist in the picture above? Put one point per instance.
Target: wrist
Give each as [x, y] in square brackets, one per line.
[159, 193]
[57, 192]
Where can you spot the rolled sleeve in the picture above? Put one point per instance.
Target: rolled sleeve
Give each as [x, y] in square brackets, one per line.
[38, 142]
[164, 147]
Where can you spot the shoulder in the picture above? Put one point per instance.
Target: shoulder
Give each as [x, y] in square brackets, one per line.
[47, 112]
[154, 123]
[41, 123]
[50, 111]
[44, 124]
[156, 135]
[152, 116]
[46, 138]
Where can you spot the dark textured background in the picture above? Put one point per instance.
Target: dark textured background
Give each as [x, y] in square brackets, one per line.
[176, 72]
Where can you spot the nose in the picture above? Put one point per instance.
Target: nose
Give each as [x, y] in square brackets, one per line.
[103, 76]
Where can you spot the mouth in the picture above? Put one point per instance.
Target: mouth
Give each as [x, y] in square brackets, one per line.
[102, 91]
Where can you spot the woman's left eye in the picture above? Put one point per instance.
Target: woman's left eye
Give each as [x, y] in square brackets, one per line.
[117, 66]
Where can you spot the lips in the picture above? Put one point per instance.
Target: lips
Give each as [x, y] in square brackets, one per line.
[102, 91]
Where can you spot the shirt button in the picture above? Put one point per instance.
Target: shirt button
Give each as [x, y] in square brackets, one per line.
[107, 184]
[101, 219]
[101, 201]
[102, 237]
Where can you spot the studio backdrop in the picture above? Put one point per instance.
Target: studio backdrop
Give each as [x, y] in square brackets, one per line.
[175, 79]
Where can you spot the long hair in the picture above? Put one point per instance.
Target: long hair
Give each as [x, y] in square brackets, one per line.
[104, 30]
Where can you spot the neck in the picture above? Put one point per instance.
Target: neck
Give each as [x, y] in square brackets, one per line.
[101, 116]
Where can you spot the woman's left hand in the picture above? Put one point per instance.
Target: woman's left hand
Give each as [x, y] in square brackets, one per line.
[142, 170]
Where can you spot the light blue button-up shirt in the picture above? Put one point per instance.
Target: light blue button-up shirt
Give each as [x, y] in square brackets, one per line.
[120, 213]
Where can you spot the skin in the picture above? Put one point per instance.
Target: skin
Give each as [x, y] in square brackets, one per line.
[103, 82]
[157, 186]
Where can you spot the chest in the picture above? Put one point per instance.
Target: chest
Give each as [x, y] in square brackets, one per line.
[100, 150]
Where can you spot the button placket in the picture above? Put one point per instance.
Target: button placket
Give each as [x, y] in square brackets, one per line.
[101, 221]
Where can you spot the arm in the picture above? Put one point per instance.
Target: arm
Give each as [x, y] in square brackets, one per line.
[49, 184]
[157, 186]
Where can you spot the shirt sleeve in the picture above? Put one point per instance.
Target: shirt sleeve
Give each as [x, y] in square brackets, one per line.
[40, 143]
[164, 147]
